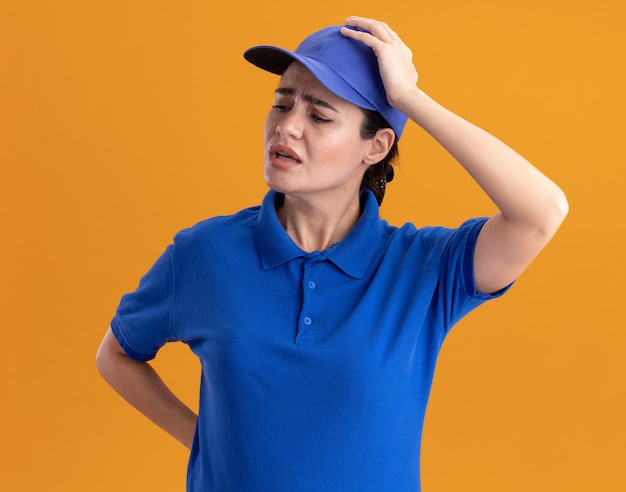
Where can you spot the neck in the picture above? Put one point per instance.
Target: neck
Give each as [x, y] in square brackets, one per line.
[317, 226]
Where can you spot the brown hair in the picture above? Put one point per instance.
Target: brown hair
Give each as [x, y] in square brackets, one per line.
[378, 175]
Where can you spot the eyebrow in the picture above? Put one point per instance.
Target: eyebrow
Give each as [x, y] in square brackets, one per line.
[289, 91]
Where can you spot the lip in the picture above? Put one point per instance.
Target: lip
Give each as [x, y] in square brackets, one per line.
[283, 157]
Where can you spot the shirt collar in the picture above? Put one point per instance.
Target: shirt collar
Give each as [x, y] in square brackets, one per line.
[352, 254]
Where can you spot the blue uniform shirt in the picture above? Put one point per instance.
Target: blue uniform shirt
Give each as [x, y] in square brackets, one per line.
[316, 367]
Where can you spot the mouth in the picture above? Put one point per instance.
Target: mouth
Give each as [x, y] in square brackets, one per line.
[284, 153]
[285, 157]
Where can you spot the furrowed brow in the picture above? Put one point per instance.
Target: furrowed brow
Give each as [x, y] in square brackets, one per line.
[285, 91]
[319, 102]
[290, 91]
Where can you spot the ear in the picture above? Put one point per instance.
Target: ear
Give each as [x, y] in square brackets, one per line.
[380, 144]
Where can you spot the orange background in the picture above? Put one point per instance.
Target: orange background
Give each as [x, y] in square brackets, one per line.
[124, 122]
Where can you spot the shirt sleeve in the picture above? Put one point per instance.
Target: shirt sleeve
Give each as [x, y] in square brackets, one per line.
[142, 323]
[457, 291]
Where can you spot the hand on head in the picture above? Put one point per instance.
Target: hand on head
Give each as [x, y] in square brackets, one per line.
[395, 59]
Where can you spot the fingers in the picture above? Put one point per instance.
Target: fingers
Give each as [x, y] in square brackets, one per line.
[378, 35]
[365, 37]
[376, 28]
[395, 59]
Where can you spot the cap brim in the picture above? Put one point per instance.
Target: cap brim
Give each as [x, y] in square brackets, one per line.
[269, 58]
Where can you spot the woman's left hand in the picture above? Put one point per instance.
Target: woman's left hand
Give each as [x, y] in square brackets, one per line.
[531, 207]
[395, 59]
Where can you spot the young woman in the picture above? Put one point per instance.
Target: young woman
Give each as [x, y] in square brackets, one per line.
[318, 324]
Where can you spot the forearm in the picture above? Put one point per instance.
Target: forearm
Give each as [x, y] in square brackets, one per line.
[521, 192]
[140, 385]
[531, 207]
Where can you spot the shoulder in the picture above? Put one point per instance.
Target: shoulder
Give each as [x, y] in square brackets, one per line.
[214, 238]
[433, 240]
[219, 227]
[438, 236]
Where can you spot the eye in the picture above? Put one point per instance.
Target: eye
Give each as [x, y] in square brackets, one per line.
[280, 108]
[319, 119]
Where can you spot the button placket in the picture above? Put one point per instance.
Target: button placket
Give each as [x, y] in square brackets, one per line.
[307, 315]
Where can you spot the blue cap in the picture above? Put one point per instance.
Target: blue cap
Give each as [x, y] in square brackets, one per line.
[346, 67]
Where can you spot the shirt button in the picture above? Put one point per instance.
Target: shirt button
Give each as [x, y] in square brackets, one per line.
[307, 321]
[312, 285]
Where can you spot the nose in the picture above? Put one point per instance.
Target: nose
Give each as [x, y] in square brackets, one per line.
[291, 124]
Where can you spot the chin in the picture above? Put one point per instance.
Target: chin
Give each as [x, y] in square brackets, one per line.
[280, 184]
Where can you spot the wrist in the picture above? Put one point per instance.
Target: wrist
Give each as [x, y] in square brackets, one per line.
[409, 101]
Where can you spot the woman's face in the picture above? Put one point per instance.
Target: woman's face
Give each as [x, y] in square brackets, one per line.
[313, 145]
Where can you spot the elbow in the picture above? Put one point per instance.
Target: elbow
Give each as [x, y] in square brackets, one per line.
[554, 213]
[560, 208]
[564, 207]
[102, 360]
[107, 354]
